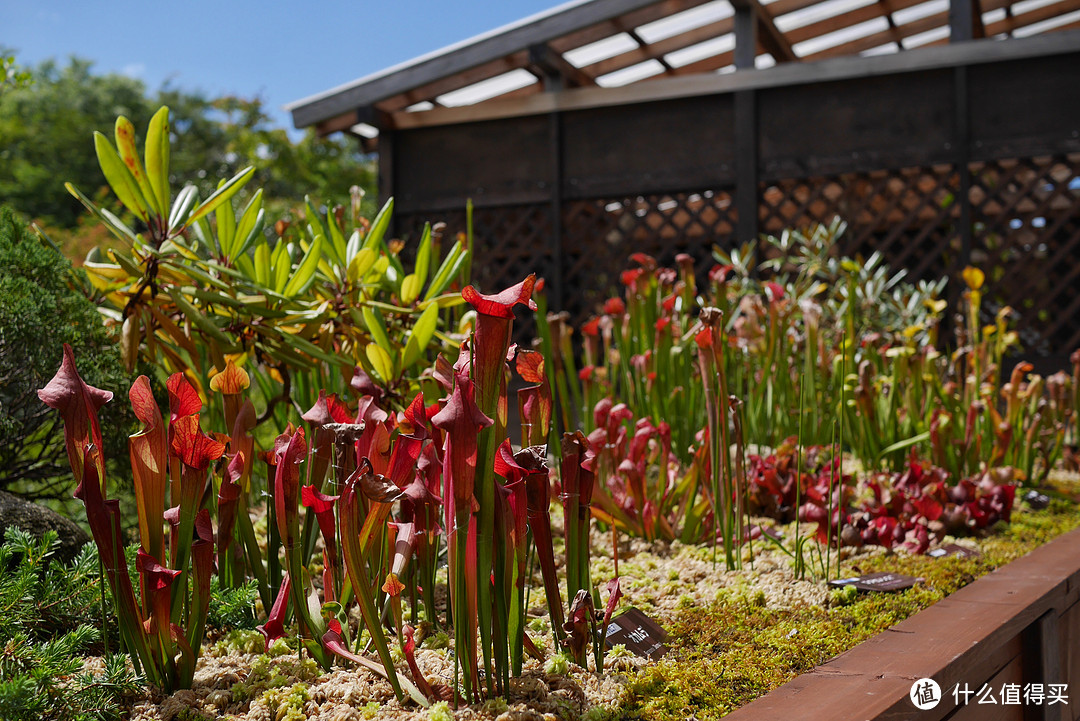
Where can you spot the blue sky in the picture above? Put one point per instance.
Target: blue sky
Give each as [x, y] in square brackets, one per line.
[278, 51]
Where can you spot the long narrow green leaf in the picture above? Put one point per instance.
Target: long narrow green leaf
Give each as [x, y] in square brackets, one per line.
[185, 201]
[120, 178]
[124, 133]
[441, 282]
[222, 194]
[201, 321]
[375, 326]
[305, 272]
[420, 335]
[280, 265]
[110, 221]
[250, 225]
[226, 227]
[157, 158]
[261, 261]
[444, 273]
[379, 225]
[423, 255]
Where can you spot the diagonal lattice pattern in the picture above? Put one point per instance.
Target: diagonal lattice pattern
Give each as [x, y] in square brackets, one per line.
[1025, 216]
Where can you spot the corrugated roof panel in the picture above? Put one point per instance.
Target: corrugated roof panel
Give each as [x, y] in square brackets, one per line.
[818, 11]
[631, 74]
[707, 49]
[1048, 24]
[600, 50]
[927, 37]
[686, 20]
[907, 15]
[487, 89]
[853, 32]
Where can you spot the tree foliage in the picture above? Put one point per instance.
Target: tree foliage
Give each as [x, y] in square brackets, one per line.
[46, 124]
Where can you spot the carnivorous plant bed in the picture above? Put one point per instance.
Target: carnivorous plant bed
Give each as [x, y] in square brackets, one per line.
[416, 548]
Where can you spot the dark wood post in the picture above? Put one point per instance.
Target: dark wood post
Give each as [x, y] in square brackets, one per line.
[746, 126]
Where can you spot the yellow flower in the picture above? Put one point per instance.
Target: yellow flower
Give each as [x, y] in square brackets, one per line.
[973, 277]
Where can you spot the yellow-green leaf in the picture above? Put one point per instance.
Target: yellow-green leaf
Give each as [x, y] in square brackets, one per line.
[185, 201]
[281, 265]
[250, 225]
[120, 178]
[410, 288]
[129, 153]
[376, 329]
[423, 255]
[421, 334]
[380, 362]
[157, 157]
[360, 264]
[226, 227]
[305, 272]
[222, 194]
[379, 225]
[262, 264]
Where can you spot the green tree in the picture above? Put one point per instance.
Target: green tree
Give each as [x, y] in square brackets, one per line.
[43, 135]
[44, 140]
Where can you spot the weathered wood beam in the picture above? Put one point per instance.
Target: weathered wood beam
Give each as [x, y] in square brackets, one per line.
[961, 27]
[769, 36]
[701, 83]
[660, 48]
[554, 70]
[613, 26]
[850, 18]
[937, 20]
[429, 91]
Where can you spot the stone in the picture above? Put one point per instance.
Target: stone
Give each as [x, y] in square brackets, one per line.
[36, 519]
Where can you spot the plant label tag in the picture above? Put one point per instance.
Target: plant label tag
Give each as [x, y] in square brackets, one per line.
[638, 633]
[878, 582]
[954, 549]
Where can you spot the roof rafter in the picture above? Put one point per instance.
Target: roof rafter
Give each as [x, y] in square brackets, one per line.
[769, 36]
[660, 48]
[553, 68]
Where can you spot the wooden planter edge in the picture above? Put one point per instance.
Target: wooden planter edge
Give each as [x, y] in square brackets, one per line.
[1018, 624]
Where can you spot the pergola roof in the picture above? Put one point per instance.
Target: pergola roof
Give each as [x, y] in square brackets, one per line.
[609, 43]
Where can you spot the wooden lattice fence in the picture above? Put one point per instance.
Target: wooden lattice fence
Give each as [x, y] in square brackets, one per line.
[1025, 216]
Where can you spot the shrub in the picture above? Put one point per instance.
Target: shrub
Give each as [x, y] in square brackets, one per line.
[41, 674]
[40, 312]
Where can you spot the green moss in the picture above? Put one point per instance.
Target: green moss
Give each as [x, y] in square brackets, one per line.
[736, 649]
[287, 704]
[440, 711]
[371, 710]
[240, 641]
[557, 665]
[272, 674]
[494, 707]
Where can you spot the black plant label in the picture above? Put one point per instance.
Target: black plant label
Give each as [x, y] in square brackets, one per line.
[638, 633]
[954, 549]
[878, 582]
